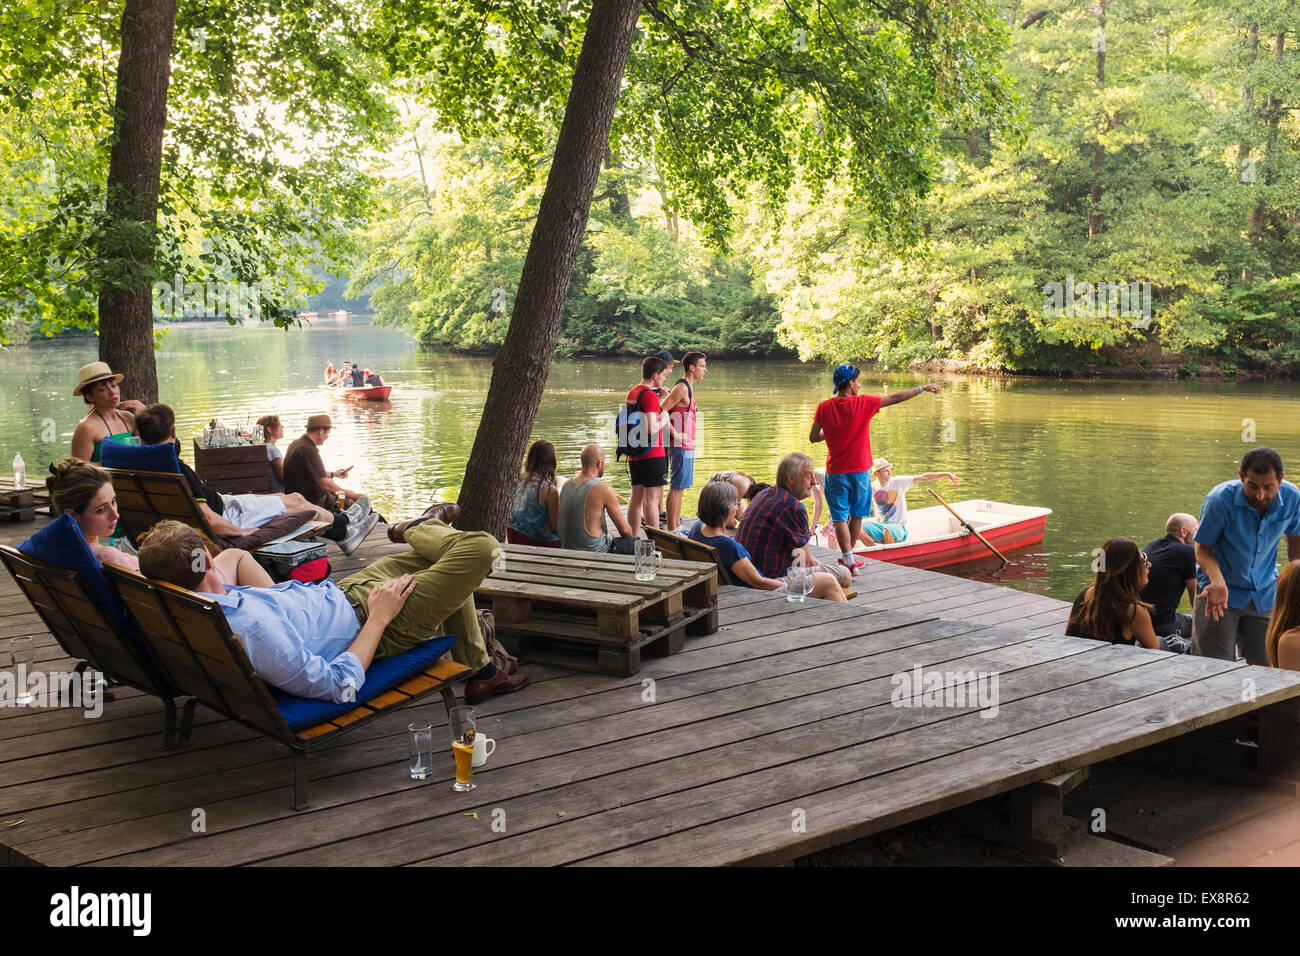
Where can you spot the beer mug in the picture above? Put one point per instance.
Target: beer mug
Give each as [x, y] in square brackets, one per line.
[648, 561]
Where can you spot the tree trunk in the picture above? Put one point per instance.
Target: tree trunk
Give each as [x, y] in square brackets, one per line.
[1098, 153]
[520, 368]
[134, 172]
[1243, 148]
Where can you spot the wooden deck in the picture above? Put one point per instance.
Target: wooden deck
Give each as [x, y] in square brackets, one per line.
[772, 738]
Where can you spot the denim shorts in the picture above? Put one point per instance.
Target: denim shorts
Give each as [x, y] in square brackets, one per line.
[682, 461]
[848, 496]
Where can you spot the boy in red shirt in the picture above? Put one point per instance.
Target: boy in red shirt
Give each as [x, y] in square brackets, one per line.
[649, 472]
[844, 421]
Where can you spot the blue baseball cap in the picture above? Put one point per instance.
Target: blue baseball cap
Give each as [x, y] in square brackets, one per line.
[843, 375]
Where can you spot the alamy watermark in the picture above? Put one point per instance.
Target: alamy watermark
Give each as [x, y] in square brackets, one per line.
[1130, 300]
[934, 688]
[24, 688]
[195, 300]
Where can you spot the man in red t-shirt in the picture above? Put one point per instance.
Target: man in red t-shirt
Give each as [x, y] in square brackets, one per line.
[844, 422]
[649, 472]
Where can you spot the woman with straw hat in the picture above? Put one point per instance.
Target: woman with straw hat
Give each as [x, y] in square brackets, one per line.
[98, 387]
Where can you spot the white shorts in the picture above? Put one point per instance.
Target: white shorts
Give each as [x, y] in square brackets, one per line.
[250, 511]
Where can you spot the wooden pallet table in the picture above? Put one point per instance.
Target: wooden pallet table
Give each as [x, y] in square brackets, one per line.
[236, 470]
[18, 505]
[587, 611]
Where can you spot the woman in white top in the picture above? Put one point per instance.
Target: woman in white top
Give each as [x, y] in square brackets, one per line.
[273, 431]
[85, 492]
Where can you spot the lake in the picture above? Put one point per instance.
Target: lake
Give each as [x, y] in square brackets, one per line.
[1111, 458]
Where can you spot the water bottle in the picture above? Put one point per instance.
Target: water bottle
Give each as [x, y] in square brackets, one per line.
[20, 473]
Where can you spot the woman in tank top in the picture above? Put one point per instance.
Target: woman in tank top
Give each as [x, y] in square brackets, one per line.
[535, 515]
[98, 387]
[1112, 609]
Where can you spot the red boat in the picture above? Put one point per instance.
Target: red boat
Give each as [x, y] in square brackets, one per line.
[368, 393]
[935, 538]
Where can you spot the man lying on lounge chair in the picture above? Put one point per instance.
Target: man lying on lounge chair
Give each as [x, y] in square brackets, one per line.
[317, 640]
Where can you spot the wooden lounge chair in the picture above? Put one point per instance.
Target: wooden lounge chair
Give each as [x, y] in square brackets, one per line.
[87, 631]
[679, 546]
[204, 659]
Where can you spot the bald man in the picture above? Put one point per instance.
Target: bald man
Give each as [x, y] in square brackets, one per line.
[1173, 571]
[585, 503]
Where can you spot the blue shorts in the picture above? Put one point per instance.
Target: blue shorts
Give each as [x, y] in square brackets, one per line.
[875, 531]
[682, 461]
[848, 496]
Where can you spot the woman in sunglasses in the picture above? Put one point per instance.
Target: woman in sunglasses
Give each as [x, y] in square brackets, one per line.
[1111, 608]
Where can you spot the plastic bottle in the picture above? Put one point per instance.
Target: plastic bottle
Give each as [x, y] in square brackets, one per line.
[20, 473]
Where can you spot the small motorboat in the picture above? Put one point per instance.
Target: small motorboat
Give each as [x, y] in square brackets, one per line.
[936, 539]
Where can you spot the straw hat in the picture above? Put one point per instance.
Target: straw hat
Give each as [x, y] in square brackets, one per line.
[92, 373]
[880, 463]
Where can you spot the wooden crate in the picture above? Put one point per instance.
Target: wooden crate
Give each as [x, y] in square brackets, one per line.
[587, 611]
[17, 505]
[240, 470]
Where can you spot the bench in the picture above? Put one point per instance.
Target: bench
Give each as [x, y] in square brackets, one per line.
[89, 632]
[204, 659]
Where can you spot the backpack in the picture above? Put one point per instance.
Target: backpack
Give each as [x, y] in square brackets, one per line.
[632, 429]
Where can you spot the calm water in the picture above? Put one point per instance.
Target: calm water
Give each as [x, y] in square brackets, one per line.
[1109, 458]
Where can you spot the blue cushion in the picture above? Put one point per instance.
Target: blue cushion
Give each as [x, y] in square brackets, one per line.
[60, 543]
[162, 457]
[303, 712]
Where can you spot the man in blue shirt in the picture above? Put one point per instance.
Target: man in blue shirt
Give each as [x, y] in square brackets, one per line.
[1236, 554]
[317, 640]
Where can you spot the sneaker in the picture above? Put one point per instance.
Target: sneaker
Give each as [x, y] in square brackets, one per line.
[357, 531]
[358, 510]
[857, 564]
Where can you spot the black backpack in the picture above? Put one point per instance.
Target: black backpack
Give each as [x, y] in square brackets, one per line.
[632, 429]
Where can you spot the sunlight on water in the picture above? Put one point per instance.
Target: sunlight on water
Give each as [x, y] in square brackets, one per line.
[1110, 458]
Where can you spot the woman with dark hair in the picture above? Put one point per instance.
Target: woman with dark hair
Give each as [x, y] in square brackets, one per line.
[1283, 639]
[85, 492]
[536, 511]
[100, 388]
[1111, 608]
[272, 431]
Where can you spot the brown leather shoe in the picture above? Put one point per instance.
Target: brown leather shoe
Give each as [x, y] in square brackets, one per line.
[477, 691]
[444, 511]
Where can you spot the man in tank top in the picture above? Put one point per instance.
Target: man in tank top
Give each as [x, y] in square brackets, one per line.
[681, 408]
[585, 503]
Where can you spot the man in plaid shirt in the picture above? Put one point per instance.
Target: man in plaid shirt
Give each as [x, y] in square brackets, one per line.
[774, 528]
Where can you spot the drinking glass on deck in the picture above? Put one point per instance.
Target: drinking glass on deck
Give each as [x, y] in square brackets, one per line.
[798, 582]
[647, 562]
[23, 652]
[421, 750]
[460, 721]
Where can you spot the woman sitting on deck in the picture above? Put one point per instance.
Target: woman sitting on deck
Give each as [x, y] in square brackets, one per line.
[536, 512]
[719, 503]
[273, 431]
[1111, 608]
[99, 387]
[1283, 640]
[85, 492]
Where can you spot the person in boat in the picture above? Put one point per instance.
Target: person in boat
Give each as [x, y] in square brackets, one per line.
[774, 528]
[318, 640]
[358, 376]
[373, 379]
[1283, 639]
[873, 533]
[746, 487]
[890, 495]
[110, 417]
[535, 515]
[1173, 572]
[1236, 544]
[85, 492]
[332, 374]
[718, 505]
[585, 504]
[273, 431]
[345, 376]
[1111, 608]
[844, 422]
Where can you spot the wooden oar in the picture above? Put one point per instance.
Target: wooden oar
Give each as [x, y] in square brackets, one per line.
[967, 525]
